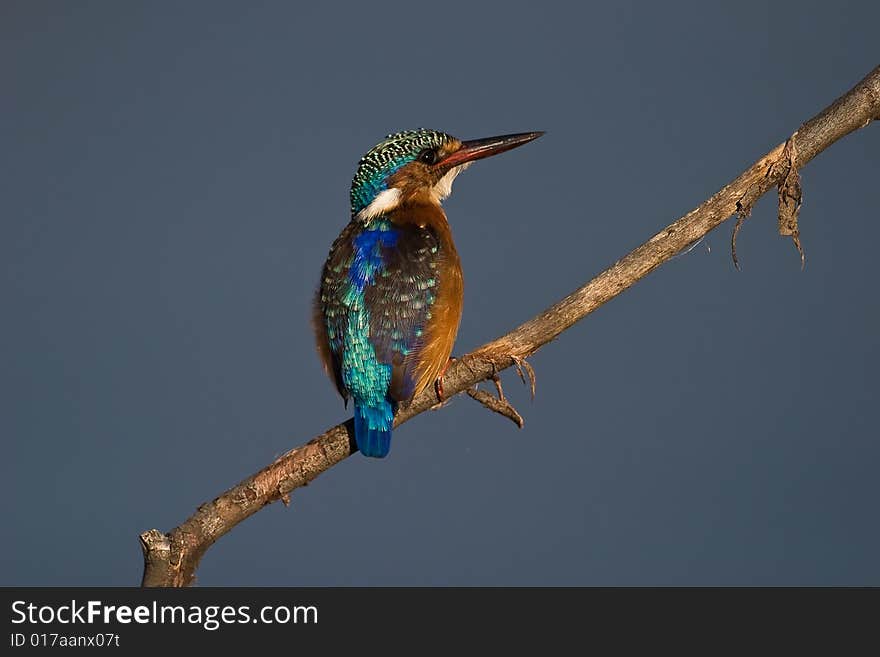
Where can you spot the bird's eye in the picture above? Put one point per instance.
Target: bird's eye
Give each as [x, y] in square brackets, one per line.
[428, 156]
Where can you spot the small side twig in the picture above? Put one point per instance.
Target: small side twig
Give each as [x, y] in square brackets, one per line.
[498, 404]
[741, 214]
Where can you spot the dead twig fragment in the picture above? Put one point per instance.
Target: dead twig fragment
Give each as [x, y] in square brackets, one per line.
[790, 197]
[498, 405]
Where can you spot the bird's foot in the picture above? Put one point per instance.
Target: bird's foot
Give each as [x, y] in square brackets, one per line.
[438, 384]
[522, 365]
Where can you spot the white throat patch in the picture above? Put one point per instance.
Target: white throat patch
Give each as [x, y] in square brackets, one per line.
[443, 187]
[385, 201]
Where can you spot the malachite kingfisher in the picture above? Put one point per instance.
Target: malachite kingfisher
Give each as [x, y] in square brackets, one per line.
[390, 299]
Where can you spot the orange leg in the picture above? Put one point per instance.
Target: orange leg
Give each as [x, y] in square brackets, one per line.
[438, 384]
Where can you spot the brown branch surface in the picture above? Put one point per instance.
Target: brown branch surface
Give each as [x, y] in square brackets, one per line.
[172, 559]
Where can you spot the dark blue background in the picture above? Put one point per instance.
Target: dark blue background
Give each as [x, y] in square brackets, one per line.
[173, 175]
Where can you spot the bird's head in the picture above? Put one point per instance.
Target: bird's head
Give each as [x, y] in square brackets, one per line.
[418, 165]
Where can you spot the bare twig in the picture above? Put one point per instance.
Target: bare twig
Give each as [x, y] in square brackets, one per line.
[172, 559]
[498, 405]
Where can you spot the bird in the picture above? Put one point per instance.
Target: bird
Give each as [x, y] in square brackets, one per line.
[389, 303]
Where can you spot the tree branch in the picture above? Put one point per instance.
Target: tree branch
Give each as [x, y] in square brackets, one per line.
[172, 559]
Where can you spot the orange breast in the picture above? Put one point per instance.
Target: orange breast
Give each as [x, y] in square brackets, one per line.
[441, 328]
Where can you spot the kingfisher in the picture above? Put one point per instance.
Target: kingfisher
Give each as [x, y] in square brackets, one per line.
[389, 303]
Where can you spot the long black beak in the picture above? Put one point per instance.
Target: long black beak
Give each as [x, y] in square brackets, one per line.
[476, 149]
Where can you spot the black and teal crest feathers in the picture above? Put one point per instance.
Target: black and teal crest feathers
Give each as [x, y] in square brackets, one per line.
[385, 158]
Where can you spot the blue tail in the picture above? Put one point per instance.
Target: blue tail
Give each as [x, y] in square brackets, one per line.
[372, 428]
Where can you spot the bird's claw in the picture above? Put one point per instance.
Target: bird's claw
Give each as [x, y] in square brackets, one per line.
[522, 364]
[438, 383]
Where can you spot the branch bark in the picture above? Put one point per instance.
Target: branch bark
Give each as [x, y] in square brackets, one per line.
[172, 559]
